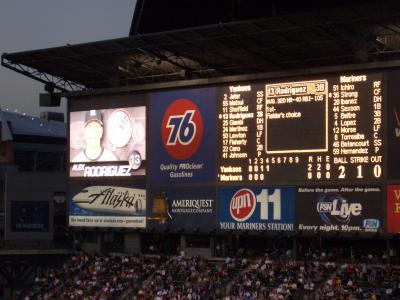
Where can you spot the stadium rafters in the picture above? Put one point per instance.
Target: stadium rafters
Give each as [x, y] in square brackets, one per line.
[339, 36]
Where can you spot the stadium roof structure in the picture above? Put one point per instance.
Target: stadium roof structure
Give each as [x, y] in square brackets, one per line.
[345, 35]
[22, 124]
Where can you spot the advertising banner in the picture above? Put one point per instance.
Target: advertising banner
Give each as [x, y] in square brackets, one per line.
[344, 209]
[256, 209]
[393, 208]
[29, 216]
[182, 136]
[183, 208]
[108, 142]
[107, 205]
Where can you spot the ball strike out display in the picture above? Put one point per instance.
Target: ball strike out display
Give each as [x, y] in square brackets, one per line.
[327, 128]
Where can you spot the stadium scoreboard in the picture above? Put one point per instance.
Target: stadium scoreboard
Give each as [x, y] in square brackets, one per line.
[324, 129]
[313, 153]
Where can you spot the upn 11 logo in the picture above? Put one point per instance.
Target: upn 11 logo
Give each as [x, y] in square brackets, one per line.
[182, 129]
[244, 202]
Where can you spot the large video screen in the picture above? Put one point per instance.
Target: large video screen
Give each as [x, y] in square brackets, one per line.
[108, 142]
[326, 128]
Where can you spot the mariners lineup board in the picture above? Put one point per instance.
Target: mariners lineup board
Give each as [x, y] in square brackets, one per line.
[325, 129]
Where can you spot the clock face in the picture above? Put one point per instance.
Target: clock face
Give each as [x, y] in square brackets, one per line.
[119, 128]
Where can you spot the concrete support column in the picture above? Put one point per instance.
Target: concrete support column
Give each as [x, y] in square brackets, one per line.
[388, 251]
[132, 243]
[212, 245]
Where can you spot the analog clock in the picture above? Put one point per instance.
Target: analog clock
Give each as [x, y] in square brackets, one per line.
[119, 128]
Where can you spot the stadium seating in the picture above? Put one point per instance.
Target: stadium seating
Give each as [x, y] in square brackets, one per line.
[274, 275]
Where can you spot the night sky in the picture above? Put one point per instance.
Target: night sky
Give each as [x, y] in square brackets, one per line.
[29, 25]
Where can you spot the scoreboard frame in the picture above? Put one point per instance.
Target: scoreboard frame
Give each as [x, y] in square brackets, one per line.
[285, 76]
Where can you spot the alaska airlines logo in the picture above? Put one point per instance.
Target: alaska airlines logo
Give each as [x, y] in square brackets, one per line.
[182, 129]
[397, 119]
[111, 199]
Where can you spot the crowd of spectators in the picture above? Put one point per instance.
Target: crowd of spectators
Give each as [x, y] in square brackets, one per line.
[87, 276]
[279, 277]
[187, 278]
[362, 281]
[274, 275]
[319, 276]
[107, 277]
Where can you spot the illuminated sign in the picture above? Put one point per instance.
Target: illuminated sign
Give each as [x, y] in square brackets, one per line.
[182, 135]
[323, 129]
[256, 209]
[108, 143]
[189, 208]
[393, 208]
[345, 209]
[107, 206]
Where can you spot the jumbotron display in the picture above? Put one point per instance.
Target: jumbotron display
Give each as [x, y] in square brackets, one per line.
[328, 128]
[108, 142]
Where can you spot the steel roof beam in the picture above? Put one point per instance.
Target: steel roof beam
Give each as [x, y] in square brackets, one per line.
[42, 77]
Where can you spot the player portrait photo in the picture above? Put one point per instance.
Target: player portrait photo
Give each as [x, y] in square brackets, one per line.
[92, 135]
[107, 142]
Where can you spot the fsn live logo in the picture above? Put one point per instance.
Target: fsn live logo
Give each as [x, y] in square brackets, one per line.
[340, 208]
[243, 204]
